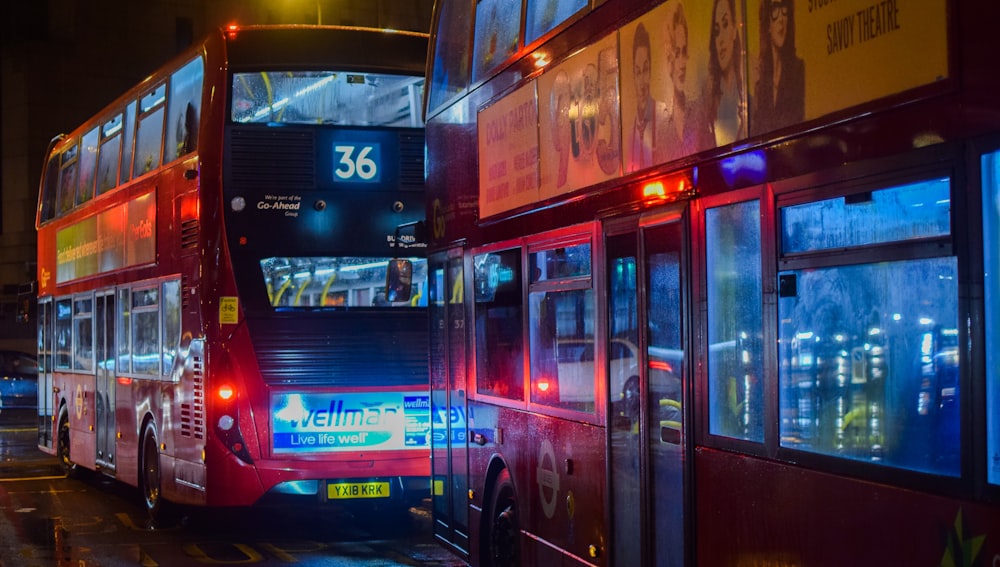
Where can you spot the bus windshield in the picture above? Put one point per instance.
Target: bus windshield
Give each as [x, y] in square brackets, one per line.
[341, 281]
[327, 97]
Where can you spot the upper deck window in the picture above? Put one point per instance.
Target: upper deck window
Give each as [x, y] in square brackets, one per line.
[67, 179]
[88, 166]
[184, 109]
[327, 97]
[450, 68]
[107, 162]
[149, 140]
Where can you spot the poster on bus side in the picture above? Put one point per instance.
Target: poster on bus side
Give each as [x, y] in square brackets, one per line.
[810, 58]
[578, 120]
[508, 149]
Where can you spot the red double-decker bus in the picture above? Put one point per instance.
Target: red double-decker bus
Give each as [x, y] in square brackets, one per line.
[214, 322]
[715, 282]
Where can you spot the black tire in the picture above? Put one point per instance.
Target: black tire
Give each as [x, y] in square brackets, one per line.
[149, 478]
[69, 467]
[503, 530]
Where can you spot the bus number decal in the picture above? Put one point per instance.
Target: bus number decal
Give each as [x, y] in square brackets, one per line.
[357, 163]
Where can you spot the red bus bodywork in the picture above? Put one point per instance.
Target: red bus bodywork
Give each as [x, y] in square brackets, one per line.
[200, 427]
[522, 480]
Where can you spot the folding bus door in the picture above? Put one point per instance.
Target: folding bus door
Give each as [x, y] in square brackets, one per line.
[104, 349]
[46, 398]
[449, 460]
[646, 275]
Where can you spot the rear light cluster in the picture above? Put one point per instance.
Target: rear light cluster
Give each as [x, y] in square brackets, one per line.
[227, 426]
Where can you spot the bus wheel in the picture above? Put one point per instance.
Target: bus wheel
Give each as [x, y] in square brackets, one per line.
[71, 469]
[150, 477]
[503, 524]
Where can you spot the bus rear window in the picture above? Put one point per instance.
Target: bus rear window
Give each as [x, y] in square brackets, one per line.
[327, 97]
[343, 281]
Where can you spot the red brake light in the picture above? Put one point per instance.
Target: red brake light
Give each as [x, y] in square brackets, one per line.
[226, 392]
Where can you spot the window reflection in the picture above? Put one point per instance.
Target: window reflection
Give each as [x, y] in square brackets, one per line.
[499, 349]
[869, 363]
[907, 212]
[342, 281]
[735, 321]
[327, 97]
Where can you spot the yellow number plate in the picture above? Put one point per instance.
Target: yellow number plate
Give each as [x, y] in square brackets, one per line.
[350, 490]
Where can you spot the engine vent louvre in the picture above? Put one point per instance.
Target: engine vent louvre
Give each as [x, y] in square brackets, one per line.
[190, 229]
[193, 414]
[343, 350]
[270, 157]
[411, 160]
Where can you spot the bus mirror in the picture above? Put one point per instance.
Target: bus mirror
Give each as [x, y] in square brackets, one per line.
[399, 275]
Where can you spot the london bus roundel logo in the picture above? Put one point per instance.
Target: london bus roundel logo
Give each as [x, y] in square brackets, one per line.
[78, 401]
[548, 478]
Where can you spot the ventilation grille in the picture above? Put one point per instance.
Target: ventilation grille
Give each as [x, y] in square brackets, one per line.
[273, 157]
[190, 229]
[187, 292]
[193, 414]
[341, 349]
[411, 160]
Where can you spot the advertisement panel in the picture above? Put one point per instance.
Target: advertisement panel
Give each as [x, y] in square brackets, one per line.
[508, 144]
[350, 421]
[810, 58]
[579, 131]
[120, 237]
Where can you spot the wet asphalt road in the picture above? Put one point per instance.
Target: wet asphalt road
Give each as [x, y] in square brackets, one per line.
[47, 520]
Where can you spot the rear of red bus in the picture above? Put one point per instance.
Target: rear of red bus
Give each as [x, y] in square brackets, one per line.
[316, 378]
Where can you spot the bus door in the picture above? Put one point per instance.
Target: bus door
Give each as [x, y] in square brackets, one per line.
[449, 448]
[104, 350]
[46, 331]
[646, 271]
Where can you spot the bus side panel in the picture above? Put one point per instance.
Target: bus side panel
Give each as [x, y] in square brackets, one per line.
[557, 467]
[76, 391]
[753, 511]
[126, 446]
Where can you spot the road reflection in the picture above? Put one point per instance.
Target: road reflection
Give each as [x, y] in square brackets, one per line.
[47, 519]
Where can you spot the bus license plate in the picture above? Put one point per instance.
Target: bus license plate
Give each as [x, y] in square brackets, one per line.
[346, 490]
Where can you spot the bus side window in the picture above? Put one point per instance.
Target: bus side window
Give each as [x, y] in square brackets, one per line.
[129, 133]
[107, 158]
[149, 140]
[499, 360]
[67, 180]
[88, 166]
[50, 188]
[184, 109]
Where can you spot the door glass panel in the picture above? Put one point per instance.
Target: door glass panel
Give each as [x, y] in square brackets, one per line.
[449, 462]
[991, 280]
[665, 371]
[623, 327]
[458, 409]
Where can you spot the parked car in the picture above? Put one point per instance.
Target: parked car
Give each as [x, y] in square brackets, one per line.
[18, 380]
